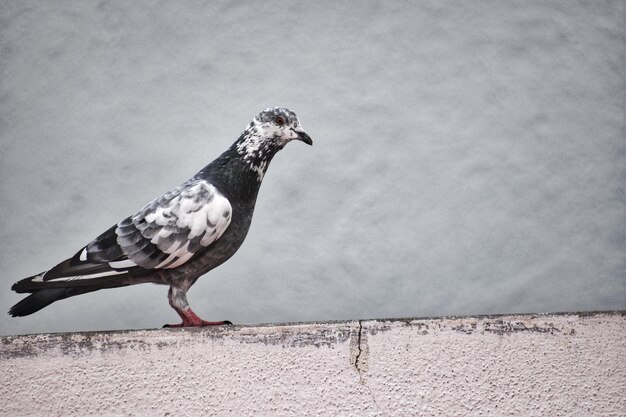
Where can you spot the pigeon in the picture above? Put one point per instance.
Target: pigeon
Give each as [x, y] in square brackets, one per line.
[179, 236]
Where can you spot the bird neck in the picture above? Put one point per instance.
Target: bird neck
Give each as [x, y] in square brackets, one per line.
[256, 151]
[239, 171]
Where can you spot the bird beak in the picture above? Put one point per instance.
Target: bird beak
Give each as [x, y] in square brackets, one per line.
[303, 136]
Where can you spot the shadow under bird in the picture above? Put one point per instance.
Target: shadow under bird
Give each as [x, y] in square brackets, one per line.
[178, 237]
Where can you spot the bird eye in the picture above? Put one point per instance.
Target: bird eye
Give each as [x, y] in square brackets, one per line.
[280, 120]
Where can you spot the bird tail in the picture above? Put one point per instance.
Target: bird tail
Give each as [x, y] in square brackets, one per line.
[44, 293]
[30, 284]
[44, 297]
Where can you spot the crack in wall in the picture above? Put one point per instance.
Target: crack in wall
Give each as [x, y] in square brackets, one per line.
[358, 347]
[360, 364]
[360, 350]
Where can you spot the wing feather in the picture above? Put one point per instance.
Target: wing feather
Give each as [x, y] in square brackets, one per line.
[164, 234]
[177, 224]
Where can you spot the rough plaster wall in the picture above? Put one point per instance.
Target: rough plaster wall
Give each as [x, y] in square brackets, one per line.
[530, 365]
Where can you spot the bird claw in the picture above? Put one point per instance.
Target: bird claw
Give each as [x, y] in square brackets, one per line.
[191, 319]
[201, 323]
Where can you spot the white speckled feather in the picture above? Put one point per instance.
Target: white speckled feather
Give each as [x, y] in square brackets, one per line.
[198, 213]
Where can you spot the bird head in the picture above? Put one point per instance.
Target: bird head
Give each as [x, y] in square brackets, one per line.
[279, 126]
[268, 133]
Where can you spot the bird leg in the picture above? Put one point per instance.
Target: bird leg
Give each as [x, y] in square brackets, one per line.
[191, 319]
[178, 301]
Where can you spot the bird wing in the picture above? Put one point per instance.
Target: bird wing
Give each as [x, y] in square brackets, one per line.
[165, 234]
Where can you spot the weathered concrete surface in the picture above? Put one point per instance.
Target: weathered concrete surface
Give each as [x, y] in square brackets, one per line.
[525, 365]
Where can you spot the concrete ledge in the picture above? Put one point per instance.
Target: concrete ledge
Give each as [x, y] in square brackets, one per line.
[528, 365]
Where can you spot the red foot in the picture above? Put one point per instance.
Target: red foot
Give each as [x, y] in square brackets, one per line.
[190, 319]
[201, 324]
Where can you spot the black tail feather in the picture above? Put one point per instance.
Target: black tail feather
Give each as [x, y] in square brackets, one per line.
[42, 298]
[35, 283]
[26, 284]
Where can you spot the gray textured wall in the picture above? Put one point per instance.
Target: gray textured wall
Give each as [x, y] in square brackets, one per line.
[520, 365]
[468, 158]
